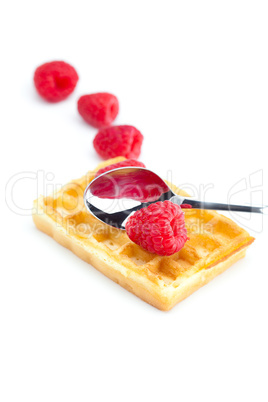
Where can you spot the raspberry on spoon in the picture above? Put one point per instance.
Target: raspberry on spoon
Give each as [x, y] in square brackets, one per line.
[158, 228]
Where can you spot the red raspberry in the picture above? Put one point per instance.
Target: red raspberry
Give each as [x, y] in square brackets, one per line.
[118, 141]
[55, 81]
[159, 228]
[127, 162]
[99, 110]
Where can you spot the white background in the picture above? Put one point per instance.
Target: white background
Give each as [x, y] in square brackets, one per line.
[193, 77]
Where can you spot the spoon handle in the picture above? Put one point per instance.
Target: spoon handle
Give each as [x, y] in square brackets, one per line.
[218, 206]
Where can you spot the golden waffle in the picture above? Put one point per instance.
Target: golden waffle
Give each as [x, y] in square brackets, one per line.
[216, 242]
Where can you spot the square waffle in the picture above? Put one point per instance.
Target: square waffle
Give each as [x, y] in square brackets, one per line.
[216, 242]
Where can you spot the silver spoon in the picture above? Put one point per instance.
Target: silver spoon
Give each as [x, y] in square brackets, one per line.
[114, 195]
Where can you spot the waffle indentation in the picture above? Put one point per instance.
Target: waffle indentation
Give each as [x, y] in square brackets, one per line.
[108, 240]
[136, 254]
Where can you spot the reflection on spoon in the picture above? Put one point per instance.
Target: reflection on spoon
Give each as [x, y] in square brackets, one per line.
[137, 184]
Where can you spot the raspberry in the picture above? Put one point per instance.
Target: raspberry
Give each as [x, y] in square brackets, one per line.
[99, 110]
[118, 141]
[55, 81]
[159, 228]
[127, 162]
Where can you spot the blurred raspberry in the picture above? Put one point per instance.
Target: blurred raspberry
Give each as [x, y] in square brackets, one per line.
[126, 163]
[159, 228]
[99, 110]
[118, 141]
[55, 81]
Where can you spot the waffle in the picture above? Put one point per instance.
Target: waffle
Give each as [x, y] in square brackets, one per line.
[216, 242]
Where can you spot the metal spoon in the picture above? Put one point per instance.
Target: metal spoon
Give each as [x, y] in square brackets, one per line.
[114, 195]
